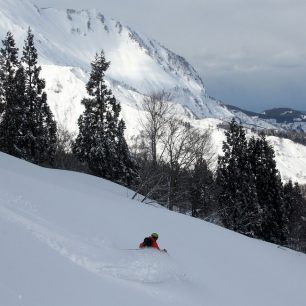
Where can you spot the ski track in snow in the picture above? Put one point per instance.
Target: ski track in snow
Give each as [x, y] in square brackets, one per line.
[98, 257]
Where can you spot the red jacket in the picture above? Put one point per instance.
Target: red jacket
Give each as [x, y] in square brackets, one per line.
[153, 245]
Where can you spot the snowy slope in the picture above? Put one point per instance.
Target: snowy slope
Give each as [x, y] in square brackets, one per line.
[64, 240]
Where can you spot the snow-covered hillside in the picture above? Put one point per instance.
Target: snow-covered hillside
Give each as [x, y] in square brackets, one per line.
[67, 41]
[65, 238]
[282, 118]
[71, 38]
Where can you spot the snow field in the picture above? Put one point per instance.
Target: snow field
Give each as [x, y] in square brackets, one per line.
[65, 237]
[96, 256]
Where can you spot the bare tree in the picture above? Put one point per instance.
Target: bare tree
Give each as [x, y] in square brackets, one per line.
[167, 149]
[184, 146]
[152, 184]
[303, 190]
[64, 139]
[157, 112]
[64, 159]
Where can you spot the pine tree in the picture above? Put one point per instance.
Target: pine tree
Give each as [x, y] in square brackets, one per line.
[126, 167]
[296, 208]
[9, 64]
[238, 204]
[100, 142]
[201, 190]
[12, 86]
[40, 134]
[269, 190]
[49, 132]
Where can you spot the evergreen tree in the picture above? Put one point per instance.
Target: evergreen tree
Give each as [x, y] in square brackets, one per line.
[9, 65]
[12, 86]
[48, 137]
[40, 130]
[100, 142]
[296, 207]
[202, 190]
[238, 204]
[126, 167]
[269, 190]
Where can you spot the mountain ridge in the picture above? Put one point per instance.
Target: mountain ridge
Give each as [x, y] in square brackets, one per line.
[283, 117]
[140, 64]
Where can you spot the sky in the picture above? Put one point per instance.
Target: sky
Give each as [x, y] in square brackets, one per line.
[249, 53]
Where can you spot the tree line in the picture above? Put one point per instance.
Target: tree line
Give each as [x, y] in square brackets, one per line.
[28, 129]
[169, 162]
[27, 126]
[245, 193]
[252, 198]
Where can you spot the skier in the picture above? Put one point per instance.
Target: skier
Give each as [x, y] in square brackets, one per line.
[150, 242]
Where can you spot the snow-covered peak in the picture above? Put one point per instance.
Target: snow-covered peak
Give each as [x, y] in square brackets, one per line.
[71, 38]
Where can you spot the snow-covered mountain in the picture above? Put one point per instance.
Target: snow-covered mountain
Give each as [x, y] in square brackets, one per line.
[65, 240]
[67, 41]
[285, 115]
[283, 118]
[139, 65]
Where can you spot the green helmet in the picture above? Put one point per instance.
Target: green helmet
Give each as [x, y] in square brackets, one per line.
[154, 235]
